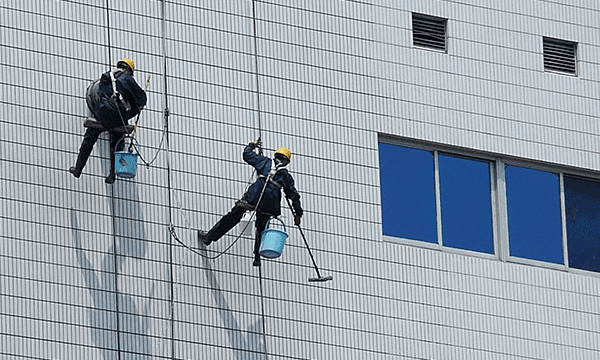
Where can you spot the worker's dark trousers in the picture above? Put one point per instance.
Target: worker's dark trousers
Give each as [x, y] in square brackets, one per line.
[89, 139]
[232, 218]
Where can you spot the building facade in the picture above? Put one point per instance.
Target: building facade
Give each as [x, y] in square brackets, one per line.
[446, 152]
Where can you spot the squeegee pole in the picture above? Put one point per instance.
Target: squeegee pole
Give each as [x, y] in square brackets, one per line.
[309, 252]
[305, 242]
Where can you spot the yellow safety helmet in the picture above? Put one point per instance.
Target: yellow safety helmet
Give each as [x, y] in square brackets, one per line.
[285, 152]
[127, 62]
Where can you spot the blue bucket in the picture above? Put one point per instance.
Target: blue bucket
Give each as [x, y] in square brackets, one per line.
[126, 162]
[272, 241]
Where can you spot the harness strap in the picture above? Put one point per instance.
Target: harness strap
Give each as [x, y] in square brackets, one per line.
[272, 172]
[116, 95]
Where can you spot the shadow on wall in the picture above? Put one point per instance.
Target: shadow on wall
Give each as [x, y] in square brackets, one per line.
[249, 347]
[130, 243]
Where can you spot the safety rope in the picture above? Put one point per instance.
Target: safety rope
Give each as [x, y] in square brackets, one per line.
[262, 308]
[175, 281]
[137, 119]
[113, 207]
[258, 109]
[108, 34]
[170, 320]
[189, 227]
[132, 144]
[174, 236]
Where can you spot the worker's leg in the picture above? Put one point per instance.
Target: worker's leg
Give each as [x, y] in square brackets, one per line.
[227, 222]
[261, 223]
[89, 139]
[114, 140]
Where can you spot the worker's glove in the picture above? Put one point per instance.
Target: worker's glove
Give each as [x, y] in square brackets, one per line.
[258, 143]
[297, 219]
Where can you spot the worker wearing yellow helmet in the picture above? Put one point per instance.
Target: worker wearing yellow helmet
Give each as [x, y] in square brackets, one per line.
[112, 100]
[264, 196]
[127, 65]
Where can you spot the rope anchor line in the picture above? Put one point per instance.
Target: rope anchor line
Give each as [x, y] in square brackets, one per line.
[171, 227]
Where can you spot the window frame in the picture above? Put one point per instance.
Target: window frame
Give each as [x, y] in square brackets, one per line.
[499, 203]
[505, 247]
[436, 150]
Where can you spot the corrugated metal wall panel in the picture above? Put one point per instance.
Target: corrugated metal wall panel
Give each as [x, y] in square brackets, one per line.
[89, 269]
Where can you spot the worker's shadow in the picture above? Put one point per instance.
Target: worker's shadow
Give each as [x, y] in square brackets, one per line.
[130, 243]
[249, 347]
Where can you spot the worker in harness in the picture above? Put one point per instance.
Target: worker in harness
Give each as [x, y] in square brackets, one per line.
[112, 100]
[272, 178]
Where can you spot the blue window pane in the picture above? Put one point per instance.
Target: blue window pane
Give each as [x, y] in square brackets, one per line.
[466, 204]
[534, 223]
[407, 193]
[582, 207]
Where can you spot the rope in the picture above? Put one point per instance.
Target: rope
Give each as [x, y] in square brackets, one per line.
[112, 203]
[108, 33]
[259, 110]
[173, 234]
[262, 307]
[167, 149]
[185, 259]
[132, 145]
[189, 227]
[137, 119]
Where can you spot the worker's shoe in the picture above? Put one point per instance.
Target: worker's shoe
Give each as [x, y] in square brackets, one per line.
[203, 238]
[110, 179]
[75, 171]
[256, 261]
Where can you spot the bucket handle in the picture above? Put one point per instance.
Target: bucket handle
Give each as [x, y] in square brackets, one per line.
[278, 219]
[137, 144]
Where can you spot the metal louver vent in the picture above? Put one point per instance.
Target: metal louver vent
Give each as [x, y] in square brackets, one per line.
[560, 55]
[429, 31]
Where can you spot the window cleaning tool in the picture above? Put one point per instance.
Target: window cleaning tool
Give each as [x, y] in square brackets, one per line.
[319, 278]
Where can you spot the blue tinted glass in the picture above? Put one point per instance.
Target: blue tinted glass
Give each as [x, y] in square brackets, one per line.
[582, 207]
[534, 223]
[407, 193]
[466, 204]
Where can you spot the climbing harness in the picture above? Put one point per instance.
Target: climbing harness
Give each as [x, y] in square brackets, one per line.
[274, 170]
[116, 95]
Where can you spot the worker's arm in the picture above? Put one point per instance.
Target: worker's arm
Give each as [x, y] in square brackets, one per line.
[254, 159]
[132, 92]
[291, 193]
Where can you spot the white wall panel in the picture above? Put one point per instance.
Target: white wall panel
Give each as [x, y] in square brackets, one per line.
[88, 269]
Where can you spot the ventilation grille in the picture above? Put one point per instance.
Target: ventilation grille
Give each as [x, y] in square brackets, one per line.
[429, 32]
[559, 55]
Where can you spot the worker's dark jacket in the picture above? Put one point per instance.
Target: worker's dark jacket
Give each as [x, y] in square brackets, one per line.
[271, 199]
[109, 112]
